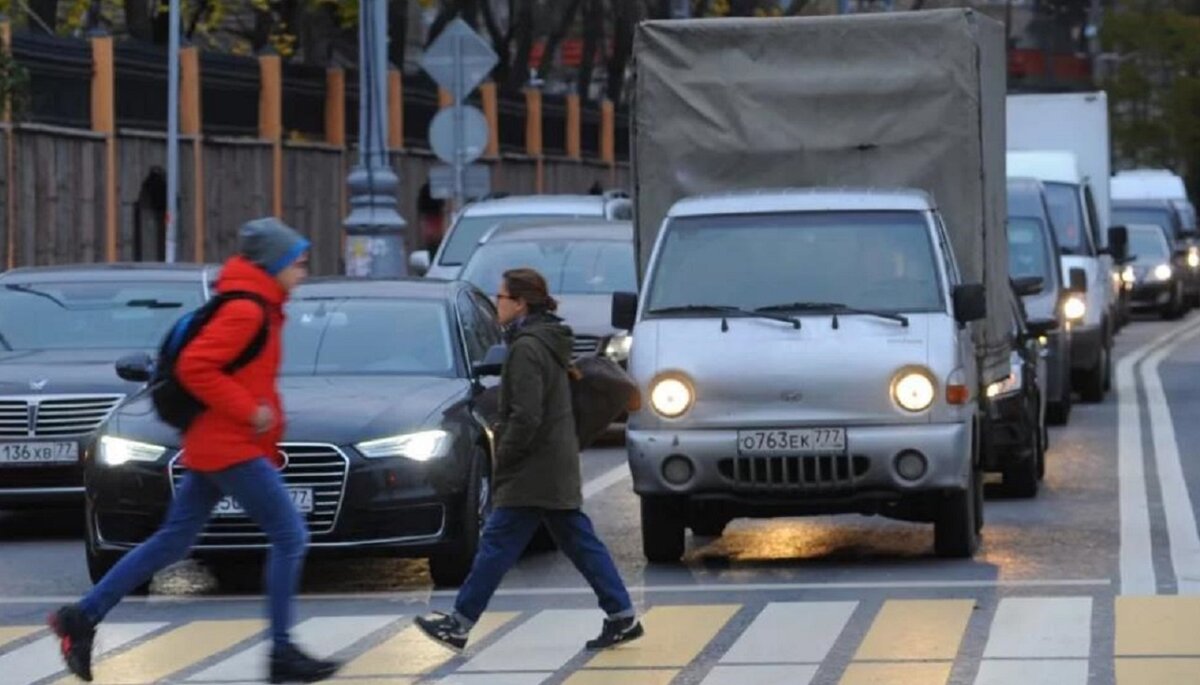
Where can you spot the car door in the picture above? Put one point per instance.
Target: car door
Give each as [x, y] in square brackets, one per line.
[481, 331]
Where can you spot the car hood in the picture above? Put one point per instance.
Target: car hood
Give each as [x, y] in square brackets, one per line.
[63, 372]
[587, 314]
[330, 409]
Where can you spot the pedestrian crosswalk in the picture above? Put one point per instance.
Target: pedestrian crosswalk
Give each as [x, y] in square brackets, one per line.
[1051, 640]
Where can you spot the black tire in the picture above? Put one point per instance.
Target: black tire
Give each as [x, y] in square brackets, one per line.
[662, 530]
[709, 524]
[1176, 308]
[450, 568]
[959, 520]
[1095, 380]
[1059, 413]
[1021, 478]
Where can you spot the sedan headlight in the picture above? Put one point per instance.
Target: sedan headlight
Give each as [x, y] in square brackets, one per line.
[1193, 258]
[1128, 275]
[913, 390]
[671, 396]
[421, 446]
[1163, 272]
[117, 451]
[618, 347]
[1075, 308]
[1009, 385]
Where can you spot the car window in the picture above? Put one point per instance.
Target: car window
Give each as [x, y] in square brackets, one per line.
[948, 262]
[478, 332]
[490, 326]
[92, 314]
[1062, 199]
[571, 267]
[1089, 203]
[1156, 216]
[1149, 246]
[464, 235]
[1028, 251]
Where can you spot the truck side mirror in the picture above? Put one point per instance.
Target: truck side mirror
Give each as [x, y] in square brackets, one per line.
[1118, 244]
[624, 311]
[970, 303]
[1079, 281]
[418, 262]
[1032, 285]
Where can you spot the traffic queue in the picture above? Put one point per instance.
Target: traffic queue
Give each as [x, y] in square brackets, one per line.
[844, 294]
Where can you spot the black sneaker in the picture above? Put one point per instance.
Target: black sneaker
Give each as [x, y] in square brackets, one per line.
[443, 629]
[75, 635]
[617, 631]
[290, 665]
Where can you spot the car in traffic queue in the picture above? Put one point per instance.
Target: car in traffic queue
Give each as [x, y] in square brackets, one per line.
[477, 218]
[1168, 216]
[1016, 437]
[387, 392]
[584, 262]
[61, 330]
[1032, 258]
[1156, 275]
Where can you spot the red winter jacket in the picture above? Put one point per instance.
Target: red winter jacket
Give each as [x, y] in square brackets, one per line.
[223, 435]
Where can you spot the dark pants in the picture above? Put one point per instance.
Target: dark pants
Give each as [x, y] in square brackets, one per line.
[505, 536]
[258, 487]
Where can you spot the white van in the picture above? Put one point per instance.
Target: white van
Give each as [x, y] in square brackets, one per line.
[1073, 211]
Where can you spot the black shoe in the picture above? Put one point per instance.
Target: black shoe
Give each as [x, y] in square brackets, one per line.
[75, 635]
[443, 629]
[290, 665]
[617, 631]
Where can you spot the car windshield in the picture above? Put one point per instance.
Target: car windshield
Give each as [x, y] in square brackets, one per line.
[570, 266]
[355, 337]
[92, 314]
[1028, 249]
[1148, 245]
[882, 261]
[1065, 213]
[1156, 216]
[464, 238]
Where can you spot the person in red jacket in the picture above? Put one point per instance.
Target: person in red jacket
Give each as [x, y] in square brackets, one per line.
[229, 450]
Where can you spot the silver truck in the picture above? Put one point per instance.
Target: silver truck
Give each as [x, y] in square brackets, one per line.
[823, 349]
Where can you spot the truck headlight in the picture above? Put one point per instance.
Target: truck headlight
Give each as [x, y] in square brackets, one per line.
[913, 390]
[671, 396]
[1075, 308]
[1163, 272]
[117, 451]
[1128, 276]
[618, 347]
[421, 446]
[1193, 258]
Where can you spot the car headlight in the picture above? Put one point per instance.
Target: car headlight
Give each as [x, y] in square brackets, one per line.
[1075, 308]
[913, 390]
[421, 446]
[618, 347]
[1128, 275]
[671, 396]
[117, 451]
[1163, 272]
[1009, 385]
[1193, 258]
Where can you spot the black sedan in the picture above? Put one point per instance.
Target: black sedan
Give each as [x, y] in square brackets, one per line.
[388, 445]
[1156, 278]
[61, 329]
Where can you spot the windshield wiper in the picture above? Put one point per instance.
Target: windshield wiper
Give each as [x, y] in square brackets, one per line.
[725, 311]
[153, 304]
[835, 308]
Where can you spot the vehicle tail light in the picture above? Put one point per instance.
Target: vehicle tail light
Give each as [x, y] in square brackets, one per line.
[957, 394]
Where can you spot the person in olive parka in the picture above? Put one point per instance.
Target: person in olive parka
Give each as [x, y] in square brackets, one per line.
[536, 472]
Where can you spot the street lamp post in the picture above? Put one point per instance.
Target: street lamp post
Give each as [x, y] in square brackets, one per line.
[172, 220]
[374, 229]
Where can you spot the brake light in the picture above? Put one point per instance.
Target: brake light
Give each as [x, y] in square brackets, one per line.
[957, 394]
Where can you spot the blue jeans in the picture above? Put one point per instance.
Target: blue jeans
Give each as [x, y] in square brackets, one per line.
[258, 487]
[505, 536]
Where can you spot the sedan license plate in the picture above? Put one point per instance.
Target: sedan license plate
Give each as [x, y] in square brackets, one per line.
[302, 498]
[796, 441]
[32, 453]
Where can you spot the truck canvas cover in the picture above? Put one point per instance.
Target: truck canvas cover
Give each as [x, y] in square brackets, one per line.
[895, 100]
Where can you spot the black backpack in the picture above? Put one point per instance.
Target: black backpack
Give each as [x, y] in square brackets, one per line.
[172, 402]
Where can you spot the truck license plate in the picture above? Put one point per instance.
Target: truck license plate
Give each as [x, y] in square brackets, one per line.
[27, 453]
[795, 441]
[302, 498]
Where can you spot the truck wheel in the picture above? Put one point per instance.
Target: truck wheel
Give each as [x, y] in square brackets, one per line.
[1095, 381]
[956, 530]
[709, 524]
[450, 568]
[662, 529]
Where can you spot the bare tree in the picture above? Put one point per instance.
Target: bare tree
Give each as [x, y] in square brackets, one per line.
[593, 36]
[624, 17]
[551, 45]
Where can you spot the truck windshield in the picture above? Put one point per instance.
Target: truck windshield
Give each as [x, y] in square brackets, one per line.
[1149, 245]
[1156, 216]
[882, 261]
[1028, 249]
[1067, 215]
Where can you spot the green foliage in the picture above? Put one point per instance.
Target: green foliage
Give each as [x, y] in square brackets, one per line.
[14, 83]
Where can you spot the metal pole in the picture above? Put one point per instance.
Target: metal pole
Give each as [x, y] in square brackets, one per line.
[172, 131]
[459, 191]
[374, 229]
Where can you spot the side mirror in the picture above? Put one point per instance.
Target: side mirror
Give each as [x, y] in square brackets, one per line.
[1029, 286]
[624, 311]
[1039, 327]
[970, 303]
[135, 368]
[492, 362]
[1078, 280]
[419, 261]
[1118, 243]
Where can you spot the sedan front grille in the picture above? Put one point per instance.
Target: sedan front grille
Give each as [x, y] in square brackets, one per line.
[823, 473]
[324, 468]
[70, 416]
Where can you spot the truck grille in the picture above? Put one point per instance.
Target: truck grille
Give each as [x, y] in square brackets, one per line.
[814, 473]
[55, 417]
[323, 468]
[585, 345]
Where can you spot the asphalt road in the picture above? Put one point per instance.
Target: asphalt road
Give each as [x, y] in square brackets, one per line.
[1095, 581]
